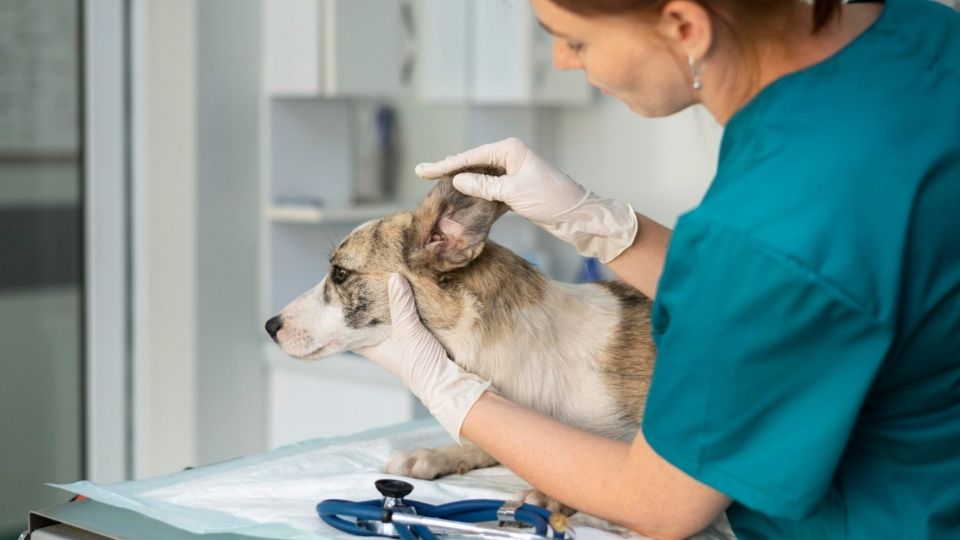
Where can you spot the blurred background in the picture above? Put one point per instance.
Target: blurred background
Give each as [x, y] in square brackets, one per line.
[173, 172]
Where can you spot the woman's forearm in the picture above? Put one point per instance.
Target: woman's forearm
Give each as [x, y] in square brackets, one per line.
[641, 264]
[625, 483]
[559, 460]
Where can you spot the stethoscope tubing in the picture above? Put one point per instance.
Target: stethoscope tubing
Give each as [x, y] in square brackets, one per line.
[330, 511]
[426, 523]
[454, 517]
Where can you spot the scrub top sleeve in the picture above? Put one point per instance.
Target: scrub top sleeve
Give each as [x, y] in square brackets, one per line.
[761, 371]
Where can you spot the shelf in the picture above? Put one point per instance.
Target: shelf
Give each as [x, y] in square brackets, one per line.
[306, 214]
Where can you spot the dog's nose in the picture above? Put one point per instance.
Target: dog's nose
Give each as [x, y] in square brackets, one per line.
[273, 326]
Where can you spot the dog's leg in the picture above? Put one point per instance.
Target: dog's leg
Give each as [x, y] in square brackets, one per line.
[533, 496]
[430, 463]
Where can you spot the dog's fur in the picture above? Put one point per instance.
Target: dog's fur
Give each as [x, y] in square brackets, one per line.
[580, 353]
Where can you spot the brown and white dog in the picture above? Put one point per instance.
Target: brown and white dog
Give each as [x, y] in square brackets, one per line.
[580, 353]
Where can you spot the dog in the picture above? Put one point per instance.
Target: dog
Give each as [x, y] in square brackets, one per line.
[580, 353]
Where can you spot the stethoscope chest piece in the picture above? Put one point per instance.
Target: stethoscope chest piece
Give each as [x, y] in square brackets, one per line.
[393, 492]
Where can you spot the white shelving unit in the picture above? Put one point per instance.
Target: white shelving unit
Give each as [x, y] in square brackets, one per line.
[321, 58]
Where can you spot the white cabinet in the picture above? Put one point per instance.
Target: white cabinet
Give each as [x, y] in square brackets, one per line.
[338, 395]
[491, 52]
[327, 48]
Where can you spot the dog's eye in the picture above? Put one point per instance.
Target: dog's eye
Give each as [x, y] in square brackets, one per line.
[339, 275]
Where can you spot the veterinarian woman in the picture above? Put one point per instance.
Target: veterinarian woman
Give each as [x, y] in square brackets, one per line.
[807, 313]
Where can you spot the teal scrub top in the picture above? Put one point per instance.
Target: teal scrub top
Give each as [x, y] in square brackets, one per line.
[808, 315]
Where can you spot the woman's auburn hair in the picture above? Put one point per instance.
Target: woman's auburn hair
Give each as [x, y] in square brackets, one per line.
[741, 15]
[748, 23]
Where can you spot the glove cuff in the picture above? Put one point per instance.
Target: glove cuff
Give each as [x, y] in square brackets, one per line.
[600, 228]
[453, 400]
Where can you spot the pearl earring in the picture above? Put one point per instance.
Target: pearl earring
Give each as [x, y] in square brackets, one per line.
[696, 68]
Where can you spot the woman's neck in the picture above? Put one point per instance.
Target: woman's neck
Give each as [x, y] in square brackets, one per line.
[724, 96]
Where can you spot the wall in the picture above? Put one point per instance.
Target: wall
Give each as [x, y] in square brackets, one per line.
[230, 376]
[661, 166]
[198, 377]
[164, 230]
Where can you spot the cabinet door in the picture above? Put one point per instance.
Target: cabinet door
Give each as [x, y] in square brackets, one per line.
[442, 70]
[333, 48]
[492, 52]
[500, 59]
[291, 47]
[370, 47]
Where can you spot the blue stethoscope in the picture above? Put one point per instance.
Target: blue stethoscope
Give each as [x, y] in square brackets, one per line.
[395, 517]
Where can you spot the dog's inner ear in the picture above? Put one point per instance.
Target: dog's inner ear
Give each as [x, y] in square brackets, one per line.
[449, 228]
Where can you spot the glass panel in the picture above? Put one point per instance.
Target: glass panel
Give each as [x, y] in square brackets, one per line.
[41, 295]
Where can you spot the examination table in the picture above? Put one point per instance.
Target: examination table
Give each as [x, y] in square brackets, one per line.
[274, 495]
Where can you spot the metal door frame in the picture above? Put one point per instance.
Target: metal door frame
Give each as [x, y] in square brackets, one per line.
[107, 271]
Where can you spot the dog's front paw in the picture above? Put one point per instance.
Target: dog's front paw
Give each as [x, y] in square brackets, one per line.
[430, 463]
[533, 496]
[423, 463]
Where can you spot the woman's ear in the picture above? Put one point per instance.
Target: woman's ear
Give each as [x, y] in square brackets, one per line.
[687, 25]
[449, 229]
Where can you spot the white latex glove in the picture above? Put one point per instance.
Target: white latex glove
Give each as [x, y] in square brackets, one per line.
[601, 228]
[413, 354]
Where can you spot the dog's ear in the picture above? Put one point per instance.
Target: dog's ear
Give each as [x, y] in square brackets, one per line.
[449, 229]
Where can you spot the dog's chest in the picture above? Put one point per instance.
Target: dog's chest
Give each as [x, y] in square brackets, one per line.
[550, 358]
[551, 383]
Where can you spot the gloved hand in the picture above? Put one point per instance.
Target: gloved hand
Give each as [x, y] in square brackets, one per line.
[601, 228]
[414, 355]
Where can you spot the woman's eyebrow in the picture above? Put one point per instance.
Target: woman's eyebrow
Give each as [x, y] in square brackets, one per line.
[549, 30]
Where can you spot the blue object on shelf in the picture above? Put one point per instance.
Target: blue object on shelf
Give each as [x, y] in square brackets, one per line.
[591, 270]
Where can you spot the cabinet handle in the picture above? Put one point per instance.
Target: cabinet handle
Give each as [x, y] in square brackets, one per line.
[411, 44]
